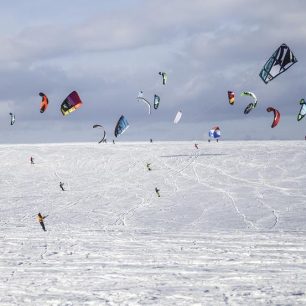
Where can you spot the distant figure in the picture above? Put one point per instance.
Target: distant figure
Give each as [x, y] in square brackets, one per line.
[196, 145]
[32, 160]
[157, 191]
[217, 140]
[62, 186]
[305, 137]
[208, 140]
[113, 141]
[148, 166]
[151, 140]
[40, 219]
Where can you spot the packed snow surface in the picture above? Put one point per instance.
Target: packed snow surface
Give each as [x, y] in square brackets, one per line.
[228, 228]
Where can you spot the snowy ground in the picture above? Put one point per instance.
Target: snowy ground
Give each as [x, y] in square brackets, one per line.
[229, 227]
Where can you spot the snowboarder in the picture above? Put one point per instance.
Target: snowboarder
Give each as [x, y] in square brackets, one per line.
[32, 160]
[148, 166]
[196, 145]
[40, 219]
[157, 191]
[62, 186]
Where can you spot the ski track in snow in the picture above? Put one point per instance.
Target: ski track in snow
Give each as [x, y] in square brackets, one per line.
[228, 229]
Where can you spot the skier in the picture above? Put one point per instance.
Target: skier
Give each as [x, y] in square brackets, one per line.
[157, 191]
[40, 219]
[196, 145]
[62, 186]
[148, 166]
[32, 160]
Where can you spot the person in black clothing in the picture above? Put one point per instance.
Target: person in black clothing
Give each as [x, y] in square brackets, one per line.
[32, 160]
[62, 186]
[157, 191]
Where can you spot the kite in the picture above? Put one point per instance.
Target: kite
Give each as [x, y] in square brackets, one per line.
[71, 103]
[250, 105]
[231, 97]
[279, 62]
[177, 117]
[164, 76]
[214, 132]
[12, 118]
[302, 111]
[44, 102]
[140, 97]
[121, 126]
[156, 101]
[276, 116]
[104, 133]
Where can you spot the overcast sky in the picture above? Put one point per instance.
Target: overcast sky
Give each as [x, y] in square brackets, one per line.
[109, 50]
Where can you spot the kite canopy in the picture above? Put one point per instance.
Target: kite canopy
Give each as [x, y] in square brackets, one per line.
[231, 97]
[71, 103]
[121, 126]
[12, 118]
[141, 98]
[164, 77]
[178, 117]
[250, 105]
[279, 62]
[156, 101]
[302, 111]
[214, 132]
[44, 102]
[104, 133]
[276, 116]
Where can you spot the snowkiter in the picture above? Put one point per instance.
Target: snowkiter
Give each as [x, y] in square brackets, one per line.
[196, 145]
[62, 186]
[40, 219]
[32, 160]
[148, 166]
[157, 191]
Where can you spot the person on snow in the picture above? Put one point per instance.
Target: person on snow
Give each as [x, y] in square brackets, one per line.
[32, 160]
[62, 186]
[148, 166]
[40, 219]
[196, 145]
[157, 191]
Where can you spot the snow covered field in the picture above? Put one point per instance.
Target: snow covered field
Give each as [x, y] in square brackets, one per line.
[229, 227]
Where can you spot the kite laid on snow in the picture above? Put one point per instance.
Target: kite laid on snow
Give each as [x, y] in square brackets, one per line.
[121, 126]
[302, 111]
[231, 97]
[276, 116]
[12, 118]
[214, 132]
[178, 117]
[44, 102]
[71, 103]
[250, 105]
[104, 133]
[164, 77]
[279, 62]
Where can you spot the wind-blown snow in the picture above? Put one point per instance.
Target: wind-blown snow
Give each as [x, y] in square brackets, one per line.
[229, 227]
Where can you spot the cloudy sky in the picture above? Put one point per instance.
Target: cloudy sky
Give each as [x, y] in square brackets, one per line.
[109, 50]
